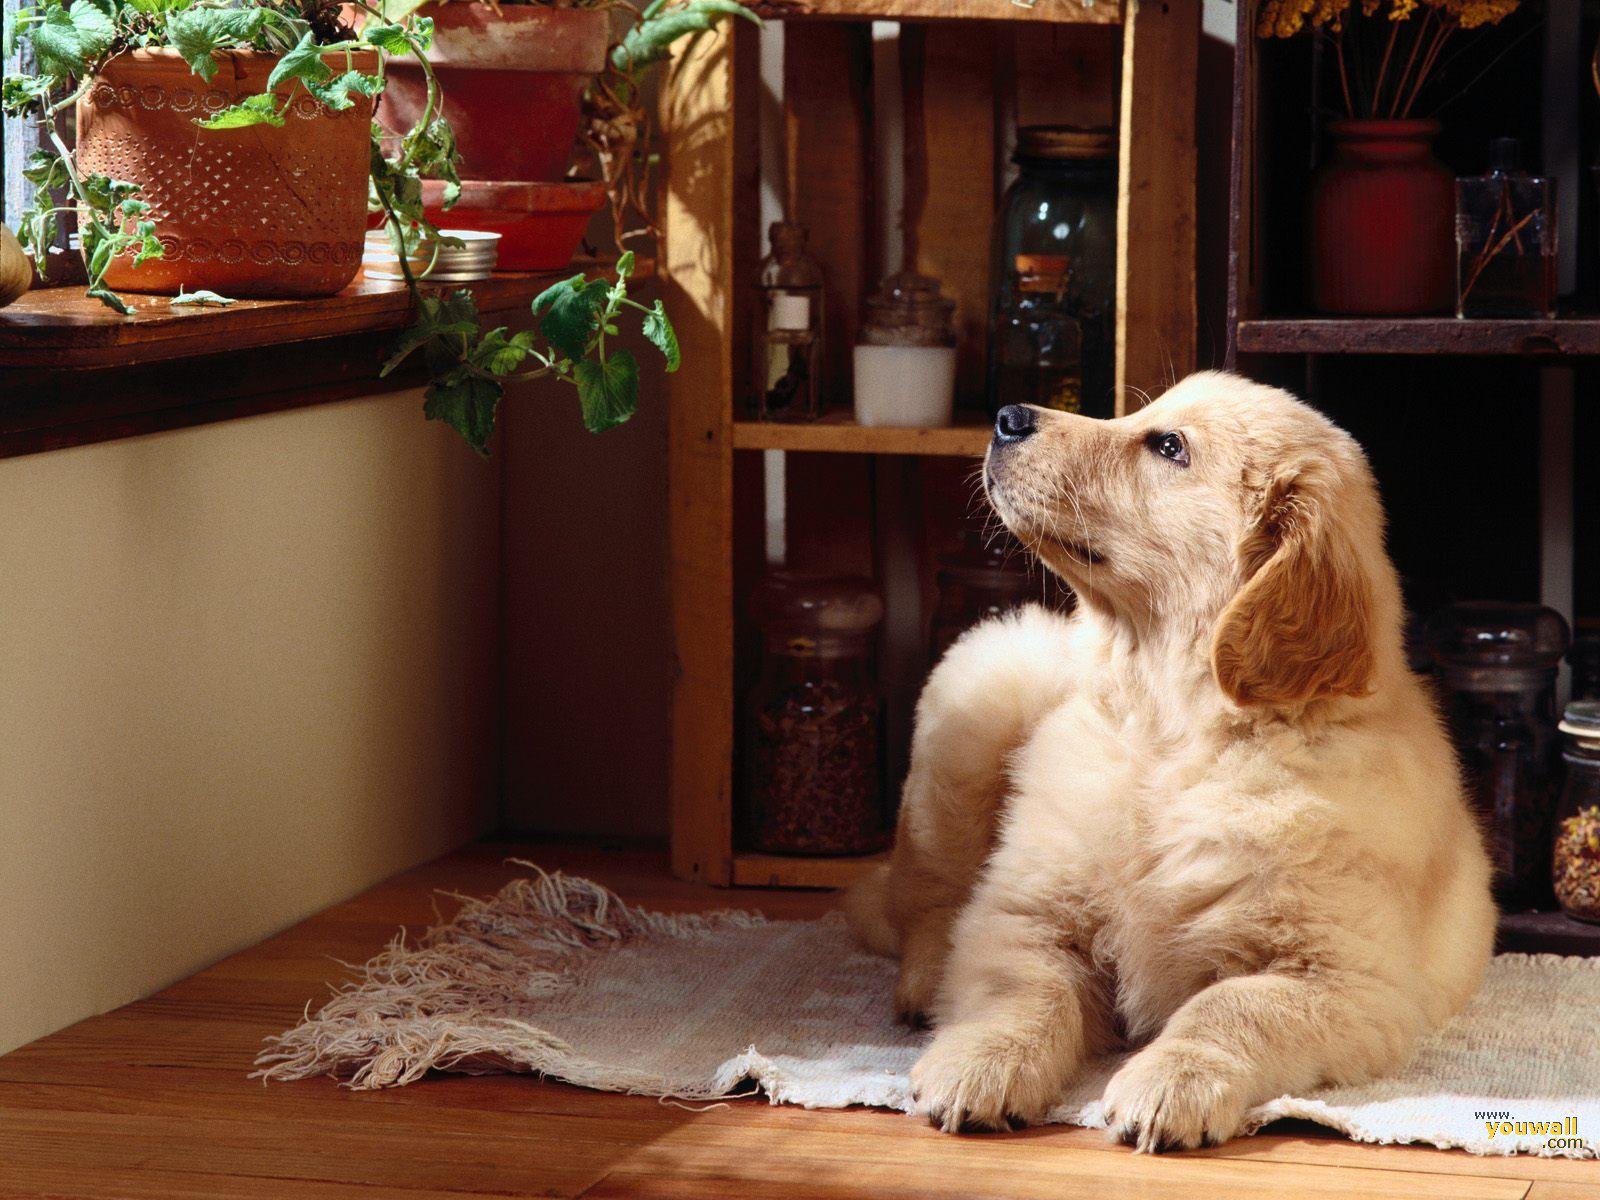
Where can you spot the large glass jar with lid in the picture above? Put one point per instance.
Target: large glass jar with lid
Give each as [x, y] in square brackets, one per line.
[1052, 327]
[1576, 863]
[814, 726]
[1497, 665]
[984, 578]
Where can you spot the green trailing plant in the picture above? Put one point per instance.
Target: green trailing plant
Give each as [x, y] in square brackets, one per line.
[469, 366]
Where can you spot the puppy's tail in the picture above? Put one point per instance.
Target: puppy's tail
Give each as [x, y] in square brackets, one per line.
[866, 905]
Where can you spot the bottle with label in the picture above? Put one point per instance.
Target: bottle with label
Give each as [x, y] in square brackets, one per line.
[788, 341]
[1052, 319]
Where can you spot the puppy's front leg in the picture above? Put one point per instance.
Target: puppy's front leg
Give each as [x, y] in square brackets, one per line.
[1017, 1014]
[1246, 1040]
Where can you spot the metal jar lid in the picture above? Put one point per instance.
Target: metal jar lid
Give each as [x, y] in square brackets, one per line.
[1066, 141]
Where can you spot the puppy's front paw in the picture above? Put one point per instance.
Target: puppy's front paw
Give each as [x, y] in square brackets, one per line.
[977, 1077]
[1175, 1095]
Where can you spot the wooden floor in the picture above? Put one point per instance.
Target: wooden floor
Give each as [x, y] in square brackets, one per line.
[151, 1101]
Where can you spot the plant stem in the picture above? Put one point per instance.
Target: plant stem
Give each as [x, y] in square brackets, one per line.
[1383, 68]
[1344, 74]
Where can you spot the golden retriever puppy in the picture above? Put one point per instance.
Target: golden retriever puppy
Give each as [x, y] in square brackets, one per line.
[1211, 815]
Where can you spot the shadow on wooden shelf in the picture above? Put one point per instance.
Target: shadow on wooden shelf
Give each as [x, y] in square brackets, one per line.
[836, 432]
[1572, 336]
[780, 870]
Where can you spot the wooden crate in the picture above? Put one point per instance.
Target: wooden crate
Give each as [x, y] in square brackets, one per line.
[879, 502]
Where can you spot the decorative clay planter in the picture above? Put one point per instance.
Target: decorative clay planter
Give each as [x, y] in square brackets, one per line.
[261, 211]
[1383, 222]
[513, 84]
[540, 224]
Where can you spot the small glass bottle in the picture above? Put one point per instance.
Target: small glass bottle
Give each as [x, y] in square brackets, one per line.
[905, 362]
[788, 341]
[1497, 665]
[1505, 239]
[814, 733]
[1576, 862]
[1052, 329]
[984, 578]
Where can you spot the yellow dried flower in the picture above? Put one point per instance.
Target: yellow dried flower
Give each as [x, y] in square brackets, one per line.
[1470, 14]
[1285, 18]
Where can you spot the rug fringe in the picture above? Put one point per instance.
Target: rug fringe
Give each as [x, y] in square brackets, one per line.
[439, 1005]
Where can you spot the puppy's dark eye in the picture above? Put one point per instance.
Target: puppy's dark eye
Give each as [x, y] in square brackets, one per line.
[1170, 446]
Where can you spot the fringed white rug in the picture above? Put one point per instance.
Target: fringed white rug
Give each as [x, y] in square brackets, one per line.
[557, 976]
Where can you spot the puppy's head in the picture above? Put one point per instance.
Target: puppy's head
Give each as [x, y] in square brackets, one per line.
[1226, 511]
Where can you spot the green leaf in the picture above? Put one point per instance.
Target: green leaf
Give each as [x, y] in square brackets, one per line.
[304, 63]
[197, 33]
[110, 299]
[200, 298]
[45, 170]
[385, 37]
[498, 354]
[570, 310]
[20, 94]
[467, 404]
[335, 94]
[662, 336]
[57, 44]
[252, 110]
[624, 266]
[650, 40]
[608, 391]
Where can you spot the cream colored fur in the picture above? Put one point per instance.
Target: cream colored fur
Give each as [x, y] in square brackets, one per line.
[1211, 815]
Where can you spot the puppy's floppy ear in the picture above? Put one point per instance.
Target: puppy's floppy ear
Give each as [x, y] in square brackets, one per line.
[1301, 627]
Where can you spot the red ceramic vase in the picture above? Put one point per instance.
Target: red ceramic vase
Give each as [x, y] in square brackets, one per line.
[513, 83]
[1382, 222]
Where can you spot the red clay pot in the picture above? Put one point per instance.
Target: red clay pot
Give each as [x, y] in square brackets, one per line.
[513, 84]
[1383, 222]
[540, 224]
[263, 211]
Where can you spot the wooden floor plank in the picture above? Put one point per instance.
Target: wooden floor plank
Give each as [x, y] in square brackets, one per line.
[153, 1100]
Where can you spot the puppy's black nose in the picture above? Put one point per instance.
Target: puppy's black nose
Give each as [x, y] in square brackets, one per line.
[1013, 423]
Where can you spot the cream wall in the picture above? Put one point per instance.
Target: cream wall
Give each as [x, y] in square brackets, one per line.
[246, 670]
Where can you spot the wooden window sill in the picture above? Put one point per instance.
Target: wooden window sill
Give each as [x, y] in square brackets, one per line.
[75, 372]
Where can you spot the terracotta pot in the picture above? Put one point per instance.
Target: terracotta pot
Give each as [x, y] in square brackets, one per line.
[540, 224]
[262, 211]
[1383, 222]
[513, 84]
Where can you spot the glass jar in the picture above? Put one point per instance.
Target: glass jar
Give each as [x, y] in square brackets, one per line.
[1497, 665]
[984, 579]
[1052, 324]
[1505, 239]
[1576, 862]
[905, 363]
[814, 732]
[788, 341]
[1584, 658]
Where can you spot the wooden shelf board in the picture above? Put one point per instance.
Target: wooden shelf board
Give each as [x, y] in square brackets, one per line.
[1574, 336]
[1546, 933]
[1054, 12]
[63, 329]
[837, 433]
[779, 870]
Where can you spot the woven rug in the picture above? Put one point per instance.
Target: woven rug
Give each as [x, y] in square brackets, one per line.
[557, 976]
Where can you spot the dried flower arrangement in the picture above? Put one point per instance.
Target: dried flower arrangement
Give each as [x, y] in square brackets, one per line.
[1382, 75]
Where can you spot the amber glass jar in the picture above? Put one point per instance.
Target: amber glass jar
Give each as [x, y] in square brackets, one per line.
[1497, 666]
[984, 579]
[1576, 864]
[814, 722]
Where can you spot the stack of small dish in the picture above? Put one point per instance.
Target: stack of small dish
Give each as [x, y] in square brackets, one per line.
[434, 260]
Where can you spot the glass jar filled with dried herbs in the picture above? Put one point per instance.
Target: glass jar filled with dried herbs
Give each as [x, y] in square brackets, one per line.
[814, 725]
[1576, 863]
[1497, 665]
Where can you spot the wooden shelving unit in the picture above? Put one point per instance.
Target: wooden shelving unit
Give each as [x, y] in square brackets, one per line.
[1452, 412]
[877, 501]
